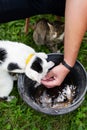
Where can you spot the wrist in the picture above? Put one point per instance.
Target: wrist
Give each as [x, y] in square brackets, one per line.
[64, 69]
[65, 64]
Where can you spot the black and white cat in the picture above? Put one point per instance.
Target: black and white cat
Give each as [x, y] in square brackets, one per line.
[19, 58]
[48, 33]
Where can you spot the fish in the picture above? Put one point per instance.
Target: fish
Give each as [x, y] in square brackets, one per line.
[59, 98]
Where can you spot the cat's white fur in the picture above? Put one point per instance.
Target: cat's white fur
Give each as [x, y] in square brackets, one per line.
[18, 53]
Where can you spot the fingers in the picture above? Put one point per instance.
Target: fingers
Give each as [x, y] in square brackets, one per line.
[49, 80]
[49, 83]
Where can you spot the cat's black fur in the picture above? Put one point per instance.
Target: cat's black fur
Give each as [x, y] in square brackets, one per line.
[3, 55]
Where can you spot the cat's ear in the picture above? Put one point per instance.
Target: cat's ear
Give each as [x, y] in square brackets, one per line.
[50, 26]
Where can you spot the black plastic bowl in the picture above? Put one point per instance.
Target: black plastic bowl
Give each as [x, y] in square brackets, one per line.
[77, 76]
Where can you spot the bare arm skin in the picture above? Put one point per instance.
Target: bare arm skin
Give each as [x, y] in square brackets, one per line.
[75, 28]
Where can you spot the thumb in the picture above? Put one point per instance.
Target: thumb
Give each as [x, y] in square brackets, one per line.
[48, 76]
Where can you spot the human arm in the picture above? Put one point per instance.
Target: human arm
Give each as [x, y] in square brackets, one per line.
[75, 28]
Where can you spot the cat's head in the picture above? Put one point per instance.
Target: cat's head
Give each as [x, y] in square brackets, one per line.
[46, 32]
[37, 66]
[56, 32]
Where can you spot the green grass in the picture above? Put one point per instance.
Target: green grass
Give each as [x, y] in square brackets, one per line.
[17, 115]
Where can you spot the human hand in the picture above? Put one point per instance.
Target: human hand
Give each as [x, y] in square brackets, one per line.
[55, 76]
